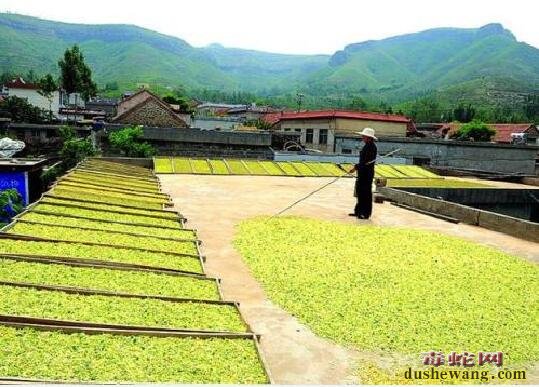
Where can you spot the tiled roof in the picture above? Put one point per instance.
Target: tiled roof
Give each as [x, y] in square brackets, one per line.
[320, 114]
[150, 97]
[19, 83]
[503, 131]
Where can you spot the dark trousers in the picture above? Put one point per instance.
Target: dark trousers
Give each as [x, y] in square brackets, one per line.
[363, 193]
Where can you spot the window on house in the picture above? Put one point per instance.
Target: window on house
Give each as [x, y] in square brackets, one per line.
[298, 130]
[309, 136]
[287, 129]
[323, 137]
[346, 151]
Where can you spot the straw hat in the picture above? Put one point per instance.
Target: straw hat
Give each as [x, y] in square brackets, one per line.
[367, 132]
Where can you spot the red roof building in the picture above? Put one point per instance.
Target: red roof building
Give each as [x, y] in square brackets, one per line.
[331, 114]
[318, 129]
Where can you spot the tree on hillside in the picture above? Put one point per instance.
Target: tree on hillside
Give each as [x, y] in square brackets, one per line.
[531, 107]
[426, 109]
[31, 76]
[475, 131]
[357, 103]
[7, 76]
[47, 87]
[464, 113]
[76, 76]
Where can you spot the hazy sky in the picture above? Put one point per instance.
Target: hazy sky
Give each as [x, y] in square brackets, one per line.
[289, 26]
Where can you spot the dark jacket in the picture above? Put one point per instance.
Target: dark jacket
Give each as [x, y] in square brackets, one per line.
[365, 167]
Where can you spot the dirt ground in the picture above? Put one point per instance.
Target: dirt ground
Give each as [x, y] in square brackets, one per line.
[215, 204]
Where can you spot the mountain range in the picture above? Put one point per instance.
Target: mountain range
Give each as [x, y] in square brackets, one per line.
[455, 62]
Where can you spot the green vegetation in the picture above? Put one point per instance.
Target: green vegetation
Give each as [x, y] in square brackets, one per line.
[113, 180]
[109, 280]
[75, 74]
[288, 169]
[219, 167]
[395, 289]
[107, 237]
[74, 149]
[101, 253]
[80, 181]
[255, 168]
[237, 167]
[75, 222]
[118, 310]
[403, 71]
[108, 193]
[47, 87]
[110, 207]
[387, 171]
[181, 166]
[325, 169]
[106, 358]
[296, 168]
[105, 215]
[415, 171]
[137, 193]
[200, 166]
[11, 204]
[128, 142]
[303, 169]
[19, 110]
[182, 102]
[96, 238]
[272, 168]
[163, 165]
[475, 131]
[96, 195]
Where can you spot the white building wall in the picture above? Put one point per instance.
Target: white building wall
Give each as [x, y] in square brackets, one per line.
[36, 99]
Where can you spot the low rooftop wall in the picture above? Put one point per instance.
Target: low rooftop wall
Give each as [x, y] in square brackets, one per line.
[483, 156]
[490, 157]
[493, 221]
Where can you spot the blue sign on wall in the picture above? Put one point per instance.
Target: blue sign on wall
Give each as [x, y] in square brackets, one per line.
[17, 180]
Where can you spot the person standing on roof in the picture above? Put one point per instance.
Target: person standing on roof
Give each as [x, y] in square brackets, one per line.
[365, 175]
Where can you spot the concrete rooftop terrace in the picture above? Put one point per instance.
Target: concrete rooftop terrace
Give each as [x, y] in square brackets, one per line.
[215, 204]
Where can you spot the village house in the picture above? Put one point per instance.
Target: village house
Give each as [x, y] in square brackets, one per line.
[59, 101]
[250, 112]
[18, 87]
[146, 108]
[328, 130]
[210, 109]
[108, 106]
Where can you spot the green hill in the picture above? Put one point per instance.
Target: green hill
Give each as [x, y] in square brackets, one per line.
[403, 66]
[454, 64]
